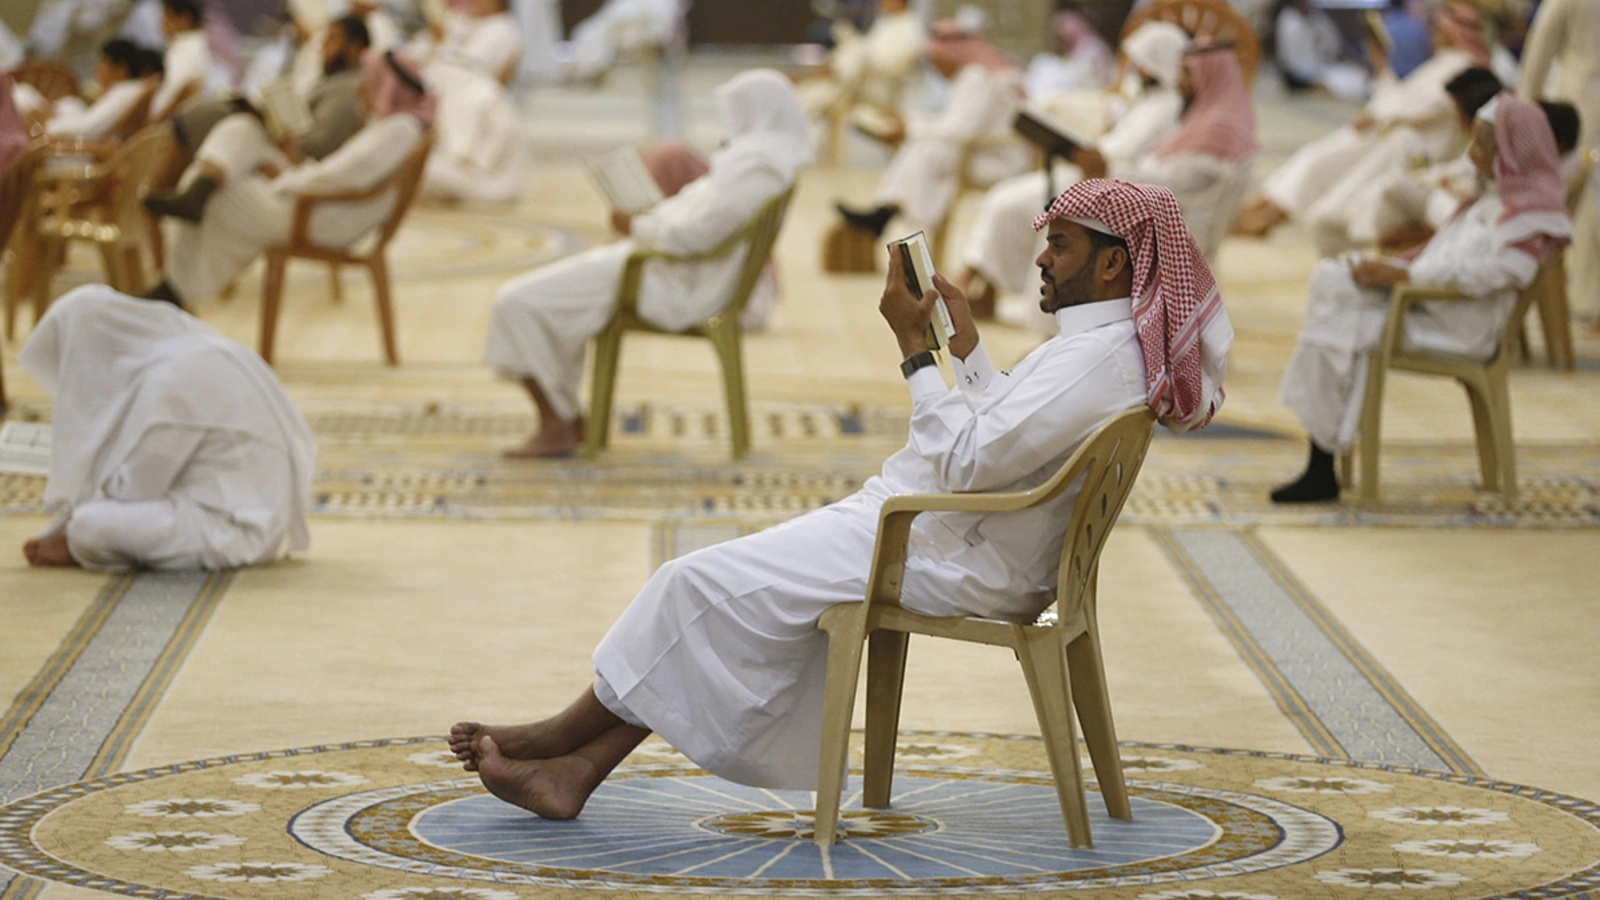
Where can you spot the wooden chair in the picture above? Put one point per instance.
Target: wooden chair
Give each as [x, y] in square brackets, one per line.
[1214, 20]
[1061, 659]
[403, 182]
[52, 79]
[103, 204]
[1555, 315]
[1486, 383]
[722, 329]
[19, 205]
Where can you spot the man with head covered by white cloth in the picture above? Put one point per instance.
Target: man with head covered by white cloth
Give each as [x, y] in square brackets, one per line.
[172, 447]
[543, 320]
[720, 652]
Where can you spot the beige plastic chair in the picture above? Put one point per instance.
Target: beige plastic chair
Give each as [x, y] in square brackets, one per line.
[1555, 315]
[403, 181]
[1486, 383]
[722, 329]
[102, 204]
[1061, 660]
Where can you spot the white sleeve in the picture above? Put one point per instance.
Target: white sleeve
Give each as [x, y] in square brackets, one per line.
[1475, 274]
[703, 215]
[188, 62]
[975, 373]
[1149, 120]
[93, 121]
[1187, 175]
[361, 162]
[1058, 403]
[972, 95]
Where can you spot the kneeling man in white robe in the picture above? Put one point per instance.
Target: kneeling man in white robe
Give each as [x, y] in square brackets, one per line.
[720, 652]
[543, 320]
[1489, 251]
[172, 447]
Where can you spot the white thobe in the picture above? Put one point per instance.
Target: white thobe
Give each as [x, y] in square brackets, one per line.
[622, 26]
[188, 65]
[543, 320]
[871, 66]
[1427, 196]
[480, 154]
[250, 213]
[1002, 244]
[1419, 102]
[73, 119]
[1562, 62]
[924, 175]
[490, 44]
[1325, 382]
[720, 653]
[541, 30]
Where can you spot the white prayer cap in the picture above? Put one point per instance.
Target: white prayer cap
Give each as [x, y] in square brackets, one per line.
[1091, 224]
[1157, 48]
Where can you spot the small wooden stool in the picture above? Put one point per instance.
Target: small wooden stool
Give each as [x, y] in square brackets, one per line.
[846, 249]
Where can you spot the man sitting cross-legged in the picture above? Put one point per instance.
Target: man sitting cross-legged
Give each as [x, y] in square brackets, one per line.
[720, 653]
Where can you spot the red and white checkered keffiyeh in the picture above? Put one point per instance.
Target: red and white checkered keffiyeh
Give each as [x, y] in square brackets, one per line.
[1183, 329]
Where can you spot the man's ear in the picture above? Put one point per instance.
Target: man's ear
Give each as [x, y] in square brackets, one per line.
[1112, 261]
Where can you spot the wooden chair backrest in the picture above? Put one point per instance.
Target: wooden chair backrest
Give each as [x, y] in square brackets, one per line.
[17, 190]
[1212, 20]
[406, 180]
[1108, 463]
[762, 233]
[52, 79]
[135, 169]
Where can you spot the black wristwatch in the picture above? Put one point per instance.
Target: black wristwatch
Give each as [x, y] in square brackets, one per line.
[917, 361]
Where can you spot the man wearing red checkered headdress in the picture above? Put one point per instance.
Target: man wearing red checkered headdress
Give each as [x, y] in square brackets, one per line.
[720, 652]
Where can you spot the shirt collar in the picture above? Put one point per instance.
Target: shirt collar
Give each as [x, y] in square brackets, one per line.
[1085, 316]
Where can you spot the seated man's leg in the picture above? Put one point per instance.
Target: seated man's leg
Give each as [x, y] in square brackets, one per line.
[541, 327]
[241, 220]
[117, 535]
[1001, 244]
[233, 150]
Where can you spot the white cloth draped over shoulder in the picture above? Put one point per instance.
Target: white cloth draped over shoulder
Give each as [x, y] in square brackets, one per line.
[543, 320]
[923, 177]
[172, 447]
[1414, 115]
[251, 212]
[72, 118]
[720, 653]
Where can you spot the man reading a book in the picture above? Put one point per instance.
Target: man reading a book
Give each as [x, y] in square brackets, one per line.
[230, 138]
[720, 653]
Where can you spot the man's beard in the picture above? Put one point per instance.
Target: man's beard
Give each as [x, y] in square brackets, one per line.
[1073, 291]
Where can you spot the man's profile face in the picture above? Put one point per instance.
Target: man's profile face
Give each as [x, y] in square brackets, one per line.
[1065, 272]
[333, 45]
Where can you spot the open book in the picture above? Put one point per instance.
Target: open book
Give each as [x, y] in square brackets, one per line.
[284, 111]
[622, 177]
[918, 264]
[25, 448]
[1052, 135]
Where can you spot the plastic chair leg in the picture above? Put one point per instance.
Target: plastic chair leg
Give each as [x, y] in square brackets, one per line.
[731, 354]
[1504, 447]
[1044, 662]
[607, 356]
[845, 639]
[1086, 668]
[886, 674]
[1483, 431]
[1371, 437]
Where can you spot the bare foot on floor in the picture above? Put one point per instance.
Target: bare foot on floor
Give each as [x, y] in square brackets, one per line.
[551, 441]
[549, 788]
[50, 550]
[515, 742]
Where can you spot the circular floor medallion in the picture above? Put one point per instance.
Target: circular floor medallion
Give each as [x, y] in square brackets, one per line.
[972, 814]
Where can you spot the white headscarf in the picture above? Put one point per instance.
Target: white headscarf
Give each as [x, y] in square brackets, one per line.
[765, 126]
[1157, 48]
[119, 368]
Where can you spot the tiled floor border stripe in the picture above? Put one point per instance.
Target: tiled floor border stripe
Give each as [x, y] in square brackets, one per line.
[1385, 683]
[199, 602]
[1289, 700]
[1267, 612]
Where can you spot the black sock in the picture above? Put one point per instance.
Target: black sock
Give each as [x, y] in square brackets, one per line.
[871, 221]
[1318, 483]
[188, 204]
[164, 292]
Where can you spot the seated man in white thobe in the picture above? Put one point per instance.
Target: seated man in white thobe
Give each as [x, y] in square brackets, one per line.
[1405, 118]
[543, 320]
[1083, 60]
[1308, 47]
[999, 248]
[252, 206]
[870, 67]
[720, 653]
[187, 62]
[336, 115]
[622, 26]
[925, 174]
[173, 447]
[1490, 251]
[122, 85]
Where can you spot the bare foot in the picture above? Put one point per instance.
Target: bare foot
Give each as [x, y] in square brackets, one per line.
[530, 741]
[50, 550]
[551, 441]
[1258, 220]
[549, 788]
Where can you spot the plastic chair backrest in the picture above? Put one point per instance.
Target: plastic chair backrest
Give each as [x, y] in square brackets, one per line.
[762, 234]
[1108, 463]
[1213, 20]
[135, 168]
